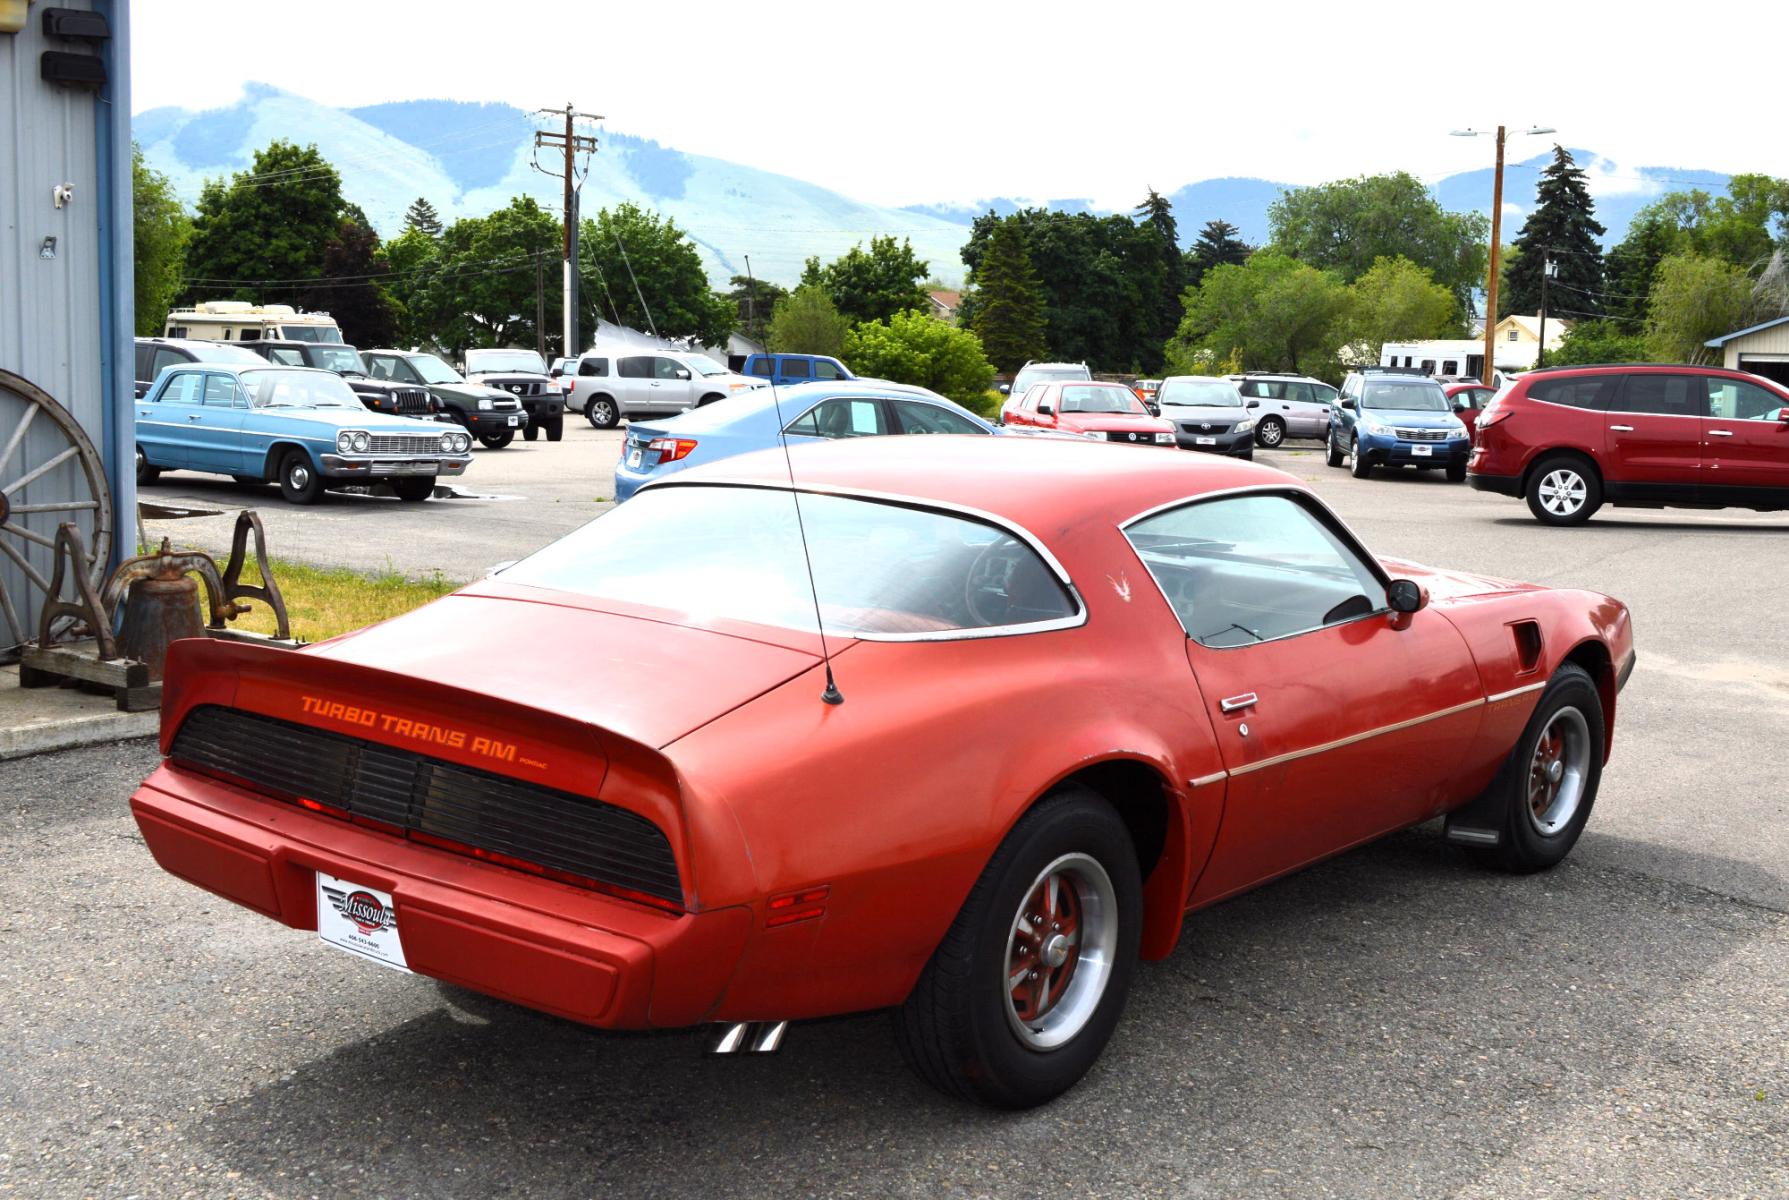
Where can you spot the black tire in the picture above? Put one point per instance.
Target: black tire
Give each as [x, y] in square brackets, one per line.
[555, 429]
[959, 1030]
[299, 481]
[1333, 455]
[602, 412]
[1358, 466]
[414, 488]
[496, 441]
[1270, 432]
[1564, 490]
[145, 472]
[530, 433]
[709, 399]
[1456, 473]
[1528, 841]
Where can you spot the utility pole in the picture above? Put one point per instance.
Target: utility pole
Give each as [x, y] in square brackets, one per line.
[540, 306]
[571, 143]
[1496, 242]
[1549, 268]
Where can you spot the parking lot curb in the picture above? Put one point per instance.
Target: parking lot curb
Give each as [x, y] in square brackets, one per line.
[39, 721]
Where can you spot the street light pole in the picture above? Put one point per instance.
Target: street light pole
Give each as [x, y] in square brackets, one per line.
[1549, 268]
[1496, 244]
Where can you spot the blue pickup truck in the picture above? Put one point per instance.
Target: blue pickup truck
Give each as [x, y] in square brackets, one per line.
[795, 368]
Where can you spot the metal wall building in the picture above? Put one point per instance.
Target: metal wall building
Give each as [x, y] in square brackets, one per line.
[66, 288]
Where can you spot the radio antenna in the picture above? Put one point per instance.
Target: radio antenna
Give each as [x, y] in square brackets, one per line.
[831, 695]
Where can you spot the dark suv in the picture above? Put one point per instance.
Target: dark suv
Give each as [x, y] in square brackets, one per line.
[154, 353]
[493, 417]
[1642, 435]
[378, 395]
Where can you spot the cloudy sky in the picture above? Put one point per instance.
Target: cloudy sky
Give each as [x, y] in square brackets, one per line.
[924, 101]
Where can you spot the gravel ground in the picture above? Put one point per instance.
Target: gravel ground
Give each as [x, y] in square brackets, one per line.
[1391, 1023]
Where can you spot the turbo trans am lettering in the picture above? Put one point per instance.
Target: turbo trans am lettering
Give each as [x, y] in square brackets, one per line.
[405, 727]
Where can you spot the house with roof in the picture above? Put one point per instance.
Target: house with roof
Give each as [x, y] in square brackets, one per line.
[1762, 349]
[943, 304]
[1515, 345]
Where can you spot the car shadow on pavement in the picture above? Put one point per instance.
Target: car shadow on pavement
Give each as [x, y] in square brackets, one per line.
[1711, 525]
[1396, 1014]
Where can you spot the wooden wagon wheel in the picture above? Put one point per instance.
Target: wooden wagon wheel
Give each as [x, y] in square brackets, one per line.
[49, 473]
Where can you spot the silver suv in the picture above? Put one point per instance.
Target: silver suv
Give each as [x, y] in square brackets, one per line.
[612, 384]
[1285, 405]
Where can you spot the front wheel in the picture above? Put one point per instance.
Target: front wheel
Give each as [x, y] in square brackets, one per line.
[602, 413]
[1358, 466]
[1548, 784]
[530, 433]
[1270, 432]
[1456, 472]
[555, 429]
[1563, 491]
[300, 483]
[497, 441]
[414, 488]
[1027, 986]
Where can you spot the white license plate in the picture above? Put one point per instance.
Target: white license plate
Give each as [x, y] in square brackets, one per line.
[1422, 451]
[1199, 441]
[633, 457]
[514, 421]
[359, 919]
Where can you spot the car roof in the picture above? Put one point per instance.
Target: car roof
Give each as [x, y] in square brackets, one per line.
[1040, 483]
[240, 368]
[205, 351]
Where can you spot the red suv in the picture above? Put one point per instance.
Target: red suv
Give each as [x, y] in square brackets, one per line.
[1569, 438]
[1108, 412]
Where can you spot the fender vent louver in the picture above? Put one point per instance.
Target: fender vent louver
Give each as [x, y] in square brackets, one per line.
[1528, 645]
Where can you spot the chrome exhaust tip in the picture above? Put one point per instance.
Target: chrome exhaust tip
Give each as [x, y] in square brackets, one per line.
[768, 1037]
[750, 1037]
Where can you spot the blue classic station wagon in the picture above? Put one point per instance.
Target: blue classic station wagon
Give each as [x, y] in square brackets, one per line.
[302, 428]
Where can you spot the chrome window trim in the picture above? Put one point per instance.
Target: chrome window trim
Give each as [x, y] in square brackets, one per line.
[1309, 751]
[1290, 492]
[1078, 618]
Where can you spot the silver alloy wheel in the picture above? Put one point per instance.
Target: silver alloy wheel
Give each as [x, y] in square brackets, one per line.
[1557, 771]
[601, 414]
[1563, 491]
[1060, 951]
[1272, 434]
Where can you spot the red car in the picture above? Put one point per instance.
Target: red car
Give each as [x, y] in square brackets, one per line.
[1469, 399]
[1065, 695]
[1648, 436]
[1102, 411]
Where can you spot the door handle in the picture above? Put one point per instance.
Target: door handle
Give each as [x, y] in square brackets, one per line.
[1621, 428]
[1232, 704]
[194, 416]
[1720, 433]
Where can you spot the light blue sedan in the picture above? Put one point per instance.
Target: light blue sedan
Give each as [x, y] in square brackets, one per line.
[304, 429]
[808, 412]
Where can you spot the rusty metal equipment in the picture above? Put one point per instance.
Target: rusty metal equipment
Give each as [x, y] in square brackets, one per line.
[159, 598]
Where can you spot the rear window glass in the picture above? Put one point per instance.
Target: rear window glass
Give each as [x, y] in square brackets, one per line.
[1580, 391]
[705, 553]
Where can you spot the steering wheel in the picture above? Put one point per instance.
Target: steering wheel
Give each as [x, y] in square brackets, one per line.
[985, 588]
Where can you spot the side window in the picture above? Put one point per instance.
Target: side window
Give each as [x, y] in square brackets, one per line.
[593, 368]
[1324, 394]
[1254, 568]
[841, 419]
[167, 358]
[1736, 400]
[188, 388]
[825, 370]
[796, 368]
[380, 368]
[1663, 395]
[765, 367]
[286, 356]
[251, 335]
[1584, 391]
[145, 356]
[638, 366]
[929, 418]
[669, 368]
[1299, 392]
[220, 391]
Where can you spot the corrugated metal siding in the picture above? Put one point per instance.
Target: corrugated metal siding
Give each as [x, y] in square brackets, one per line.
[49, 309]
[1772, 341]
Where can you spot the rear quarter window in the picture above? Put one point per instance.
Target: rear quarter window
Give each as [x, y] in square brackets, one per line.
[1580, 391]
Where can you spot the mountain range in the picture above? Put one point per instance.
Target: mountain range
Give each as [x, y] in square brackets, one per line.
[469, 159]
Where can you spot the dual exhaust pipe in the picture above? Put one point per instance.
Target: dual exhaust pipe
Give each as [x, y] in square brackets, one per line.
[749, 1037]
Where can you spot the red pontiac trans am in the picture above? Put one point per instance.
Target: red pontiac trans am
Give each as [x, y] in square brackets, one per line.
[1080, 693]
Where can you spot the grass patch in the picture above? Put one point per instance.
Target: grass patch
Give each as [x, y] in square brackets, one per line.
[325, 601]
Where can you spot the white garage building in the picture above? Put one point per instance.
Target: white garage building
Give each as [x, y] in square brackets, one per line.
[1762, 350]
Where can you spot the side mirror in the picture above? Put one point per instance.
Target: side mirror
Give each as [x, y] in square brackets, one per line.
[1783, 415]
[682, 374]
[1155, 410]
[496, 569]
[1405, 598]
[1254, 404]
[1046, 410]
[1347, 402]
[1462, 408]
[1006, 389]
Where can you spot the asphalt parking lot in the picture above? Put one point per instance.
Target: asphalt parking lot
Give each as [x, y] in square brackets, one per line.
[1393, 1022]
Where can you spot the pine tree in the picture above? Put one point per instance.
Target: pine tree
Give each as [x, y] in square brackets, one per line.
[1562, 226]
[1220, 243]
[1009, 301]
[421, 216]
[1165, 278]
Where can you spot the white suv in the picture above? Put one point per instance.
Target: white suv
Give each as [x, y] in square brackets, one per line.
[1285, 405]
[612, 384]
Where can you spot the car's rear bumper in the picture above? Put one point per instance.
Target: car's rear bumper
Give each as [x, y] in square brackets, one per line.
[1503, 485]
[537, 942]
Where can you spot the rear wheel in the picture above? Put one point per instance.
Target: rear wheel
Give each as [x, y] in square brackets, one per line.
[1270, 432]
[1333, 451]
[1358, 466]
[414, 488]
[299, 481]
[145, 472]
[1549, 781]
[1564, 491]
[602, 413]
[1026, 988]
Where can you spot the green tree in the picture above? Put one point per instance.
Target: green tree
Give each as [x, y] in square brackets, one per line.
[351, 291]
[263, 234]
[1598, 342]
[638, 254]
[1163, 277]
[1632, 265]
[422, 217]
[479, 289]
[1219, 243]
[410, 259]
[1694, 298]
[1349, 225]
[1563, 227]
[1273, 313]
[1008, 314]
[911, 347]
[807, 322]
[753, 301]
[159, 230]
[1397, 301]
[873, 284]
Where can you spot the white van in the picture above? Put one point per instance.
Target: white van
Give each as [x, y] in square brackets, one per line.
[240, 321]
[612, 384]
